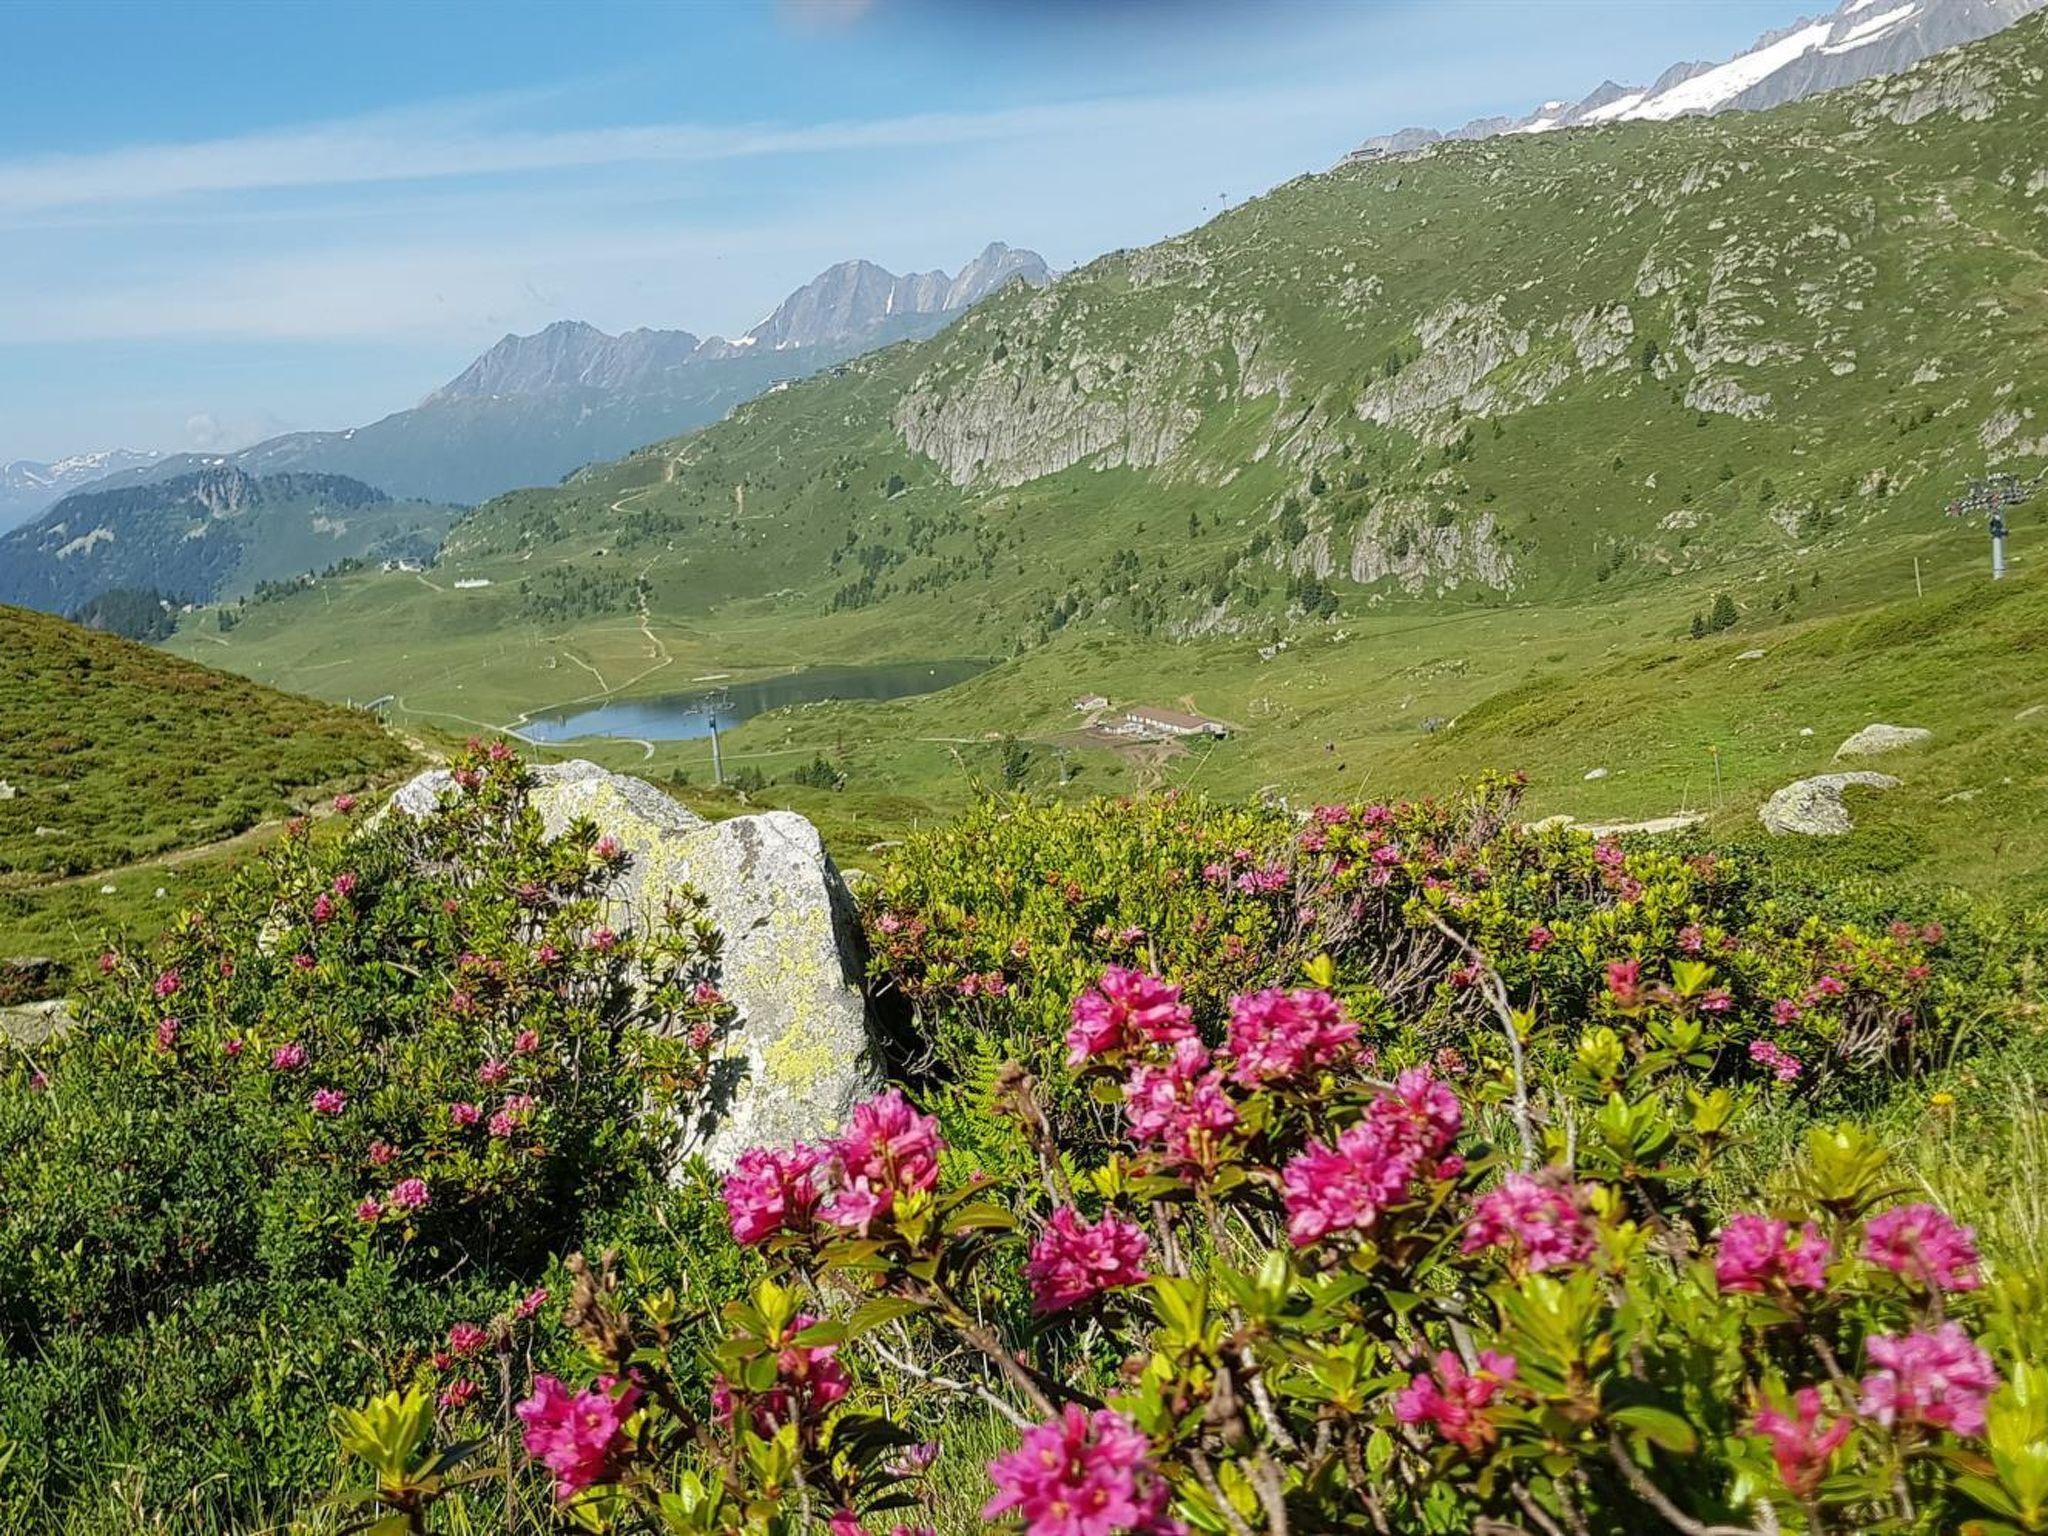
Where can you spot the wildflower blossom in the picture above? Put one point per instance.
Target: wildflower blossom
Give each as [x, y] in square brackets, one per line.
[493, 1071]
[1180, 1108]
[1940, 1379]
[1539, 939]
[1801, 1442]
[167, 1034]
[1124, 1009]
[410, 1195]
[1453, 1400]
[345, 883]
[1781, 1063]
[1073, 1262]
[1625, 982]
[1376, 1163]
[382, 1152]
[369, 1209]
[167, 983]
[1758, 1254]
[233, 1047]
[344, 803]
[458, 1394]
[608, 849]
[464, 1114]
[288, 1057]
[577, 1436]
[1539, 1223]
[603, 940]
[889, 1142]
[531, 1303]
[526, 1042]
[1082, 1474]
[304, 962]
[466, 1339]
[323, 908]
[771, 1190]
[1923, 1244]
[1277, 1034]
[328, 1101]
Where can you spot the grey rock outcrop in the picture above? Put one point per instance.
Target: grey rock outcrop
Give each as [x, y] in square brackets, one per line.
[1875, 739]
[801, 1054]
[30, 1024]
[1814, 807]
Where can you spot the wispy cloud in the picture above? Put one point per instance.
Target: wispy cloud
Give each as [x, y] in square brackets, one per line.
[432, 146]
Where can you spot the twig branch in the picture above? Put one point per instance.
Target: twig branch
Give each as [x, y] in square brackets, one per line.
[1653, 1496]
[1496, 993]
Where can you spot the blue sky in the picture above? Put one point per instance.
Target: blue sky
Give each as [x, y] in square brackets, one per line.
[219, 221]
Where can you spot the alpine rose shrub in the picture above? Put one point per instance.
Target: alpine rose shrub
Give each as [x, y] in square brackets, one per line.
[1318, 1196]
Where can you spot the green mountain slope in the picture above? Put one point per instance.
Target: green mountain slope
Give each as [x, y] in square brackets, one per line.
[112, 751]
[208, 534]
[1360, 454]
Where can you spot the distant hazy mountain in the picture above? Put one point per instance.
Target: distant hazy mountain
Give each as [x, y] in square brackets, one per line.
[533, 408]
[1861, 40]
[856, 299]
[26, 486]
[210, 533]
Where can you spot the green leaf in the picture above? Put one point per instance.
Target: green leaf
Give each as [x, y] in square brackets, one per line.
[1660, 1426]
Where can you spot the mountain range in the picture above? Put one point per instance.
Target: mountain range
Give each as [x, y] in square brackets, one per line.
[207, 534]
[533, 408]
[1860, 40]
[27, 486]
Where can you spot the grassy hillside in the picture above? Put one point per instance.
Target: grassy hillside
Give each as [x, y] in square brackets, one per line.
[113, 753]
[1483, 424]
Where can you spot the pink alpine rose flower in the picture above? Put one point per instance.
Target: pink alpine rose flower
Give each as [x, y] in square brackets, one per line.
[771, 1191]
[1539, 1223]
[463, 1115]
[1453, 1401]
[578, 1436]
[1278, 1034]
[1124, 1009]
[288, 1057]
[1775, 1059]
[369, 1210]
[890, 1144]
[1758, 1254]
[1923, 1244]
[328, 1101]
[1802, 1443]
[1405, 1137]
[1073, 1262]
[465, 1339]
[1180, 1108]
[410, 1195]
[1082, 1474]
[1939, 1379]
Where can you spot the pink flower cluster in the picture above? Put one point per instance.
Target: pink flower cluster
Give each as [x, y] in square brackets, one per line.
[288, 1057]
[1453, 1400]
[888, 1149]
[1923, 1244]
[1279, 1034]
[1180, 1108]
[1758, 1254]
[773, 1190]
[1405, 1137]
[1775, 1059]
[1940, 1379]
[328, 1101]
[1539, 1223]
[578, 1436]
[1802, 1442]
[1082, 1474]
[1126, 1008]
[1073, 1262]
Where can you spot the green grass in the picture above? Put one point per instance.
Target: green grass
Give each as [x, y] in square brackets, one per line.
[122, 760]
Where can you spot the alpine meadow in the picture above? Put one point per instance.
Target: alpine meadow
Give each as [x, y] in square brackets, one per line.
[1380, 867]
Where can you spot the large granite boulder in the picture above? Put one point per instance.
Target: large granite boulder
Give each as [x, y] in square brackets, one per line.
[1874, 739]
[1814, 807]
[802, 1052]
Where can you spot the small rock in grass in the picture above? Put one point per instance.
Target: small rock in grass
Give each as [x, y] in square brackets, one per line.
[1873, 739]
[1814, 807]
